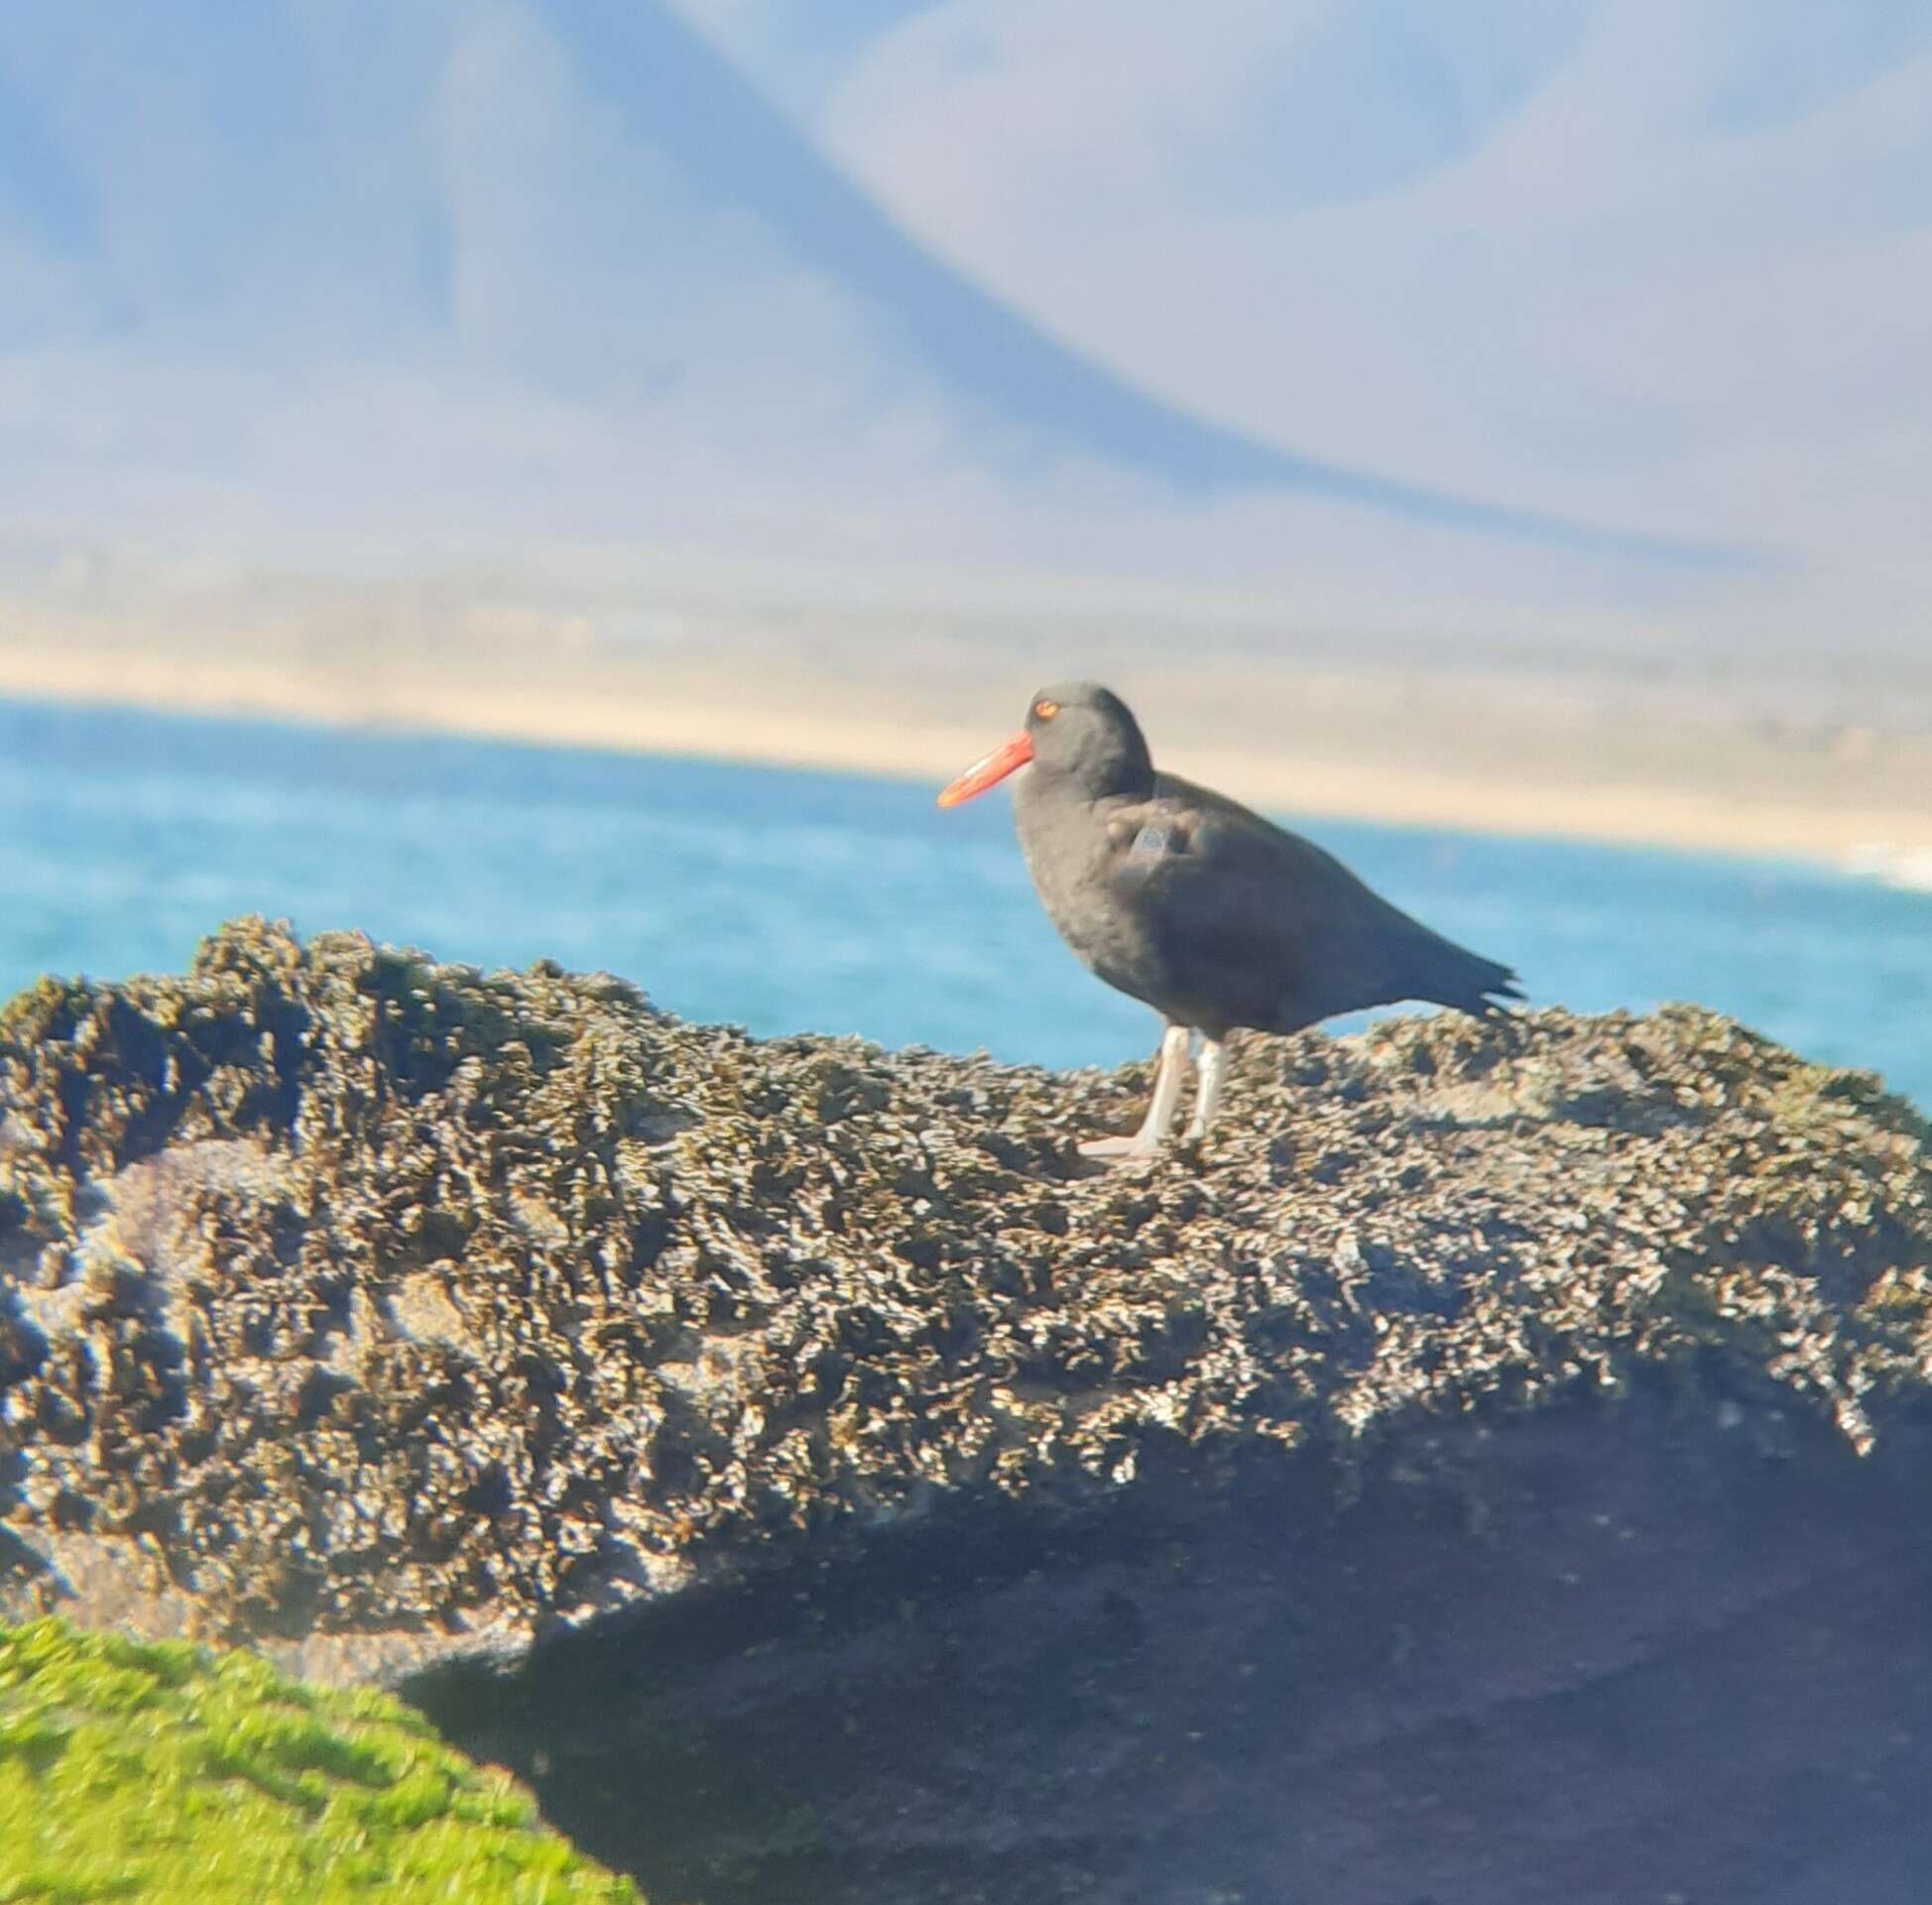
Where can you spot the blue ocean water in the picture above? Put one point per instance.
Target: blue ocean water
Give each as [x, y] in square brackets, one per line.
[810, 901]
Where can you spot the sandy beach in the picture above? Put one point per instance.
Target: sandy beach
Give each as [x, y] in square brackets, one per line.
[1490, 745]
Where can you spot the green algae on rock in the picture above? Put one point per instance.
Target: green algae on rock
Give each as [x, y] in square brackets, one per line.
[158, 1771]
[383, 1310]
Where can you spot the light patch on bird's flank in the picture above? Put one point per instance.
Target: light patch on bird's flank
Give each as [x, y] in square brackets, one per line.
[1150, 846]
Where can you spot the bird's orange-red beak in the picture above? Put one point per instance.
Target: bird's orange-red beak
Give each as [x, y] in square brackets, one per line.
[1004, 759]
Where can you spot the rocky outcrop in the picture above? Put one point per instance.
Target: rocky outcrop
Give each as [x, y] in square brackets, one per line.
[664, 1403]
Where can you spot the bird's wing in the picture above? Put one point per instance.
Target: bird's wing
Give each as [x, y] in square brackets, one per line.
[1258, 919]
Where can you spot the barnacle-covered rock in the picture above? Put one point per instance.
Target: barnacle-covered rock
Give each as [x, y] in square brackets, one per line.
[392, 1314]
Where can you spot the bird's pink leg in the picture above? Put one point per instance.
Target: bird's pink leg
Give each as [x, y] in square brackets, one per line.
[1167, 1081]
[1213, 1076]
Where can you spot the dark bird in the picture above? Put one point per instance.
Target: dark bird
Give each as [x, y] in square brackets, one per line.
[1215, 918]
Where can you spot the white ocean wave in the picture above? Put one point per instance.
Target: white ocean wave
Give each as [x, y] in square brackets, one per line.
[1910, 869]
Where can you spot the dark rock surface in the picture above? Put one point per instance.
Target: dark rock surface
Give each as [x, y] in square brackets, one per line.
[1628, 1654]
[1494, 1469]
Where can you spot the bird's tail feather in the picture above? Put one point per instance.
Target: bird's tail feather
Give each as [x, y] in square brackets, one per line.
[1453, 976]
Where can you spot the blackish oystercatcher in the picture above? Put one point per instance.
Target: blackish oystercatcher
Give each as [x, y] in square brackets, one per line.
[1212, 915]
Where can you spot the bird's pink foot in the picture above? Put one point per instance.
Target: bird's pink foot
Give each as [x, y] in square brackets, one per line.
[1115, 1148]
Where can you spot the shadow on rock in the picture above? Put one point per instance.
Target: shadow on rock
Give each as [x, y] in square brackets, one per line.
[1634, 1650]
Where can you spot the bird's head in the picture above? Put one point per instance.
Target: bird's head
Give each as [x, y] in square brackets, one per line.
[1078, 734]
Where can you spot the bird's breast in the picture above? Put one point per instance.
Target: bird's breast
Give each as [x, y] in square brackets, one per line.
[1084, 882]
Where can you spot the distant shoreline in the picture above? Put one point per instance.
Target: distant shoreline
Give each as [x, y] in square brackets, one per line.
[1440, 757]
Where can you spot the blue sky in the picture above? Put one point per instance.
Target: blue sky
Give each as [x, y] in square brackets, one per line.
[1387, 308]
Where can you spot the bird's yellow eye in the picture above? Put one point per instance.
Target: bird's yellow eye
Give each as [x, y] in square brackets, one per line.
[1046, 710]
